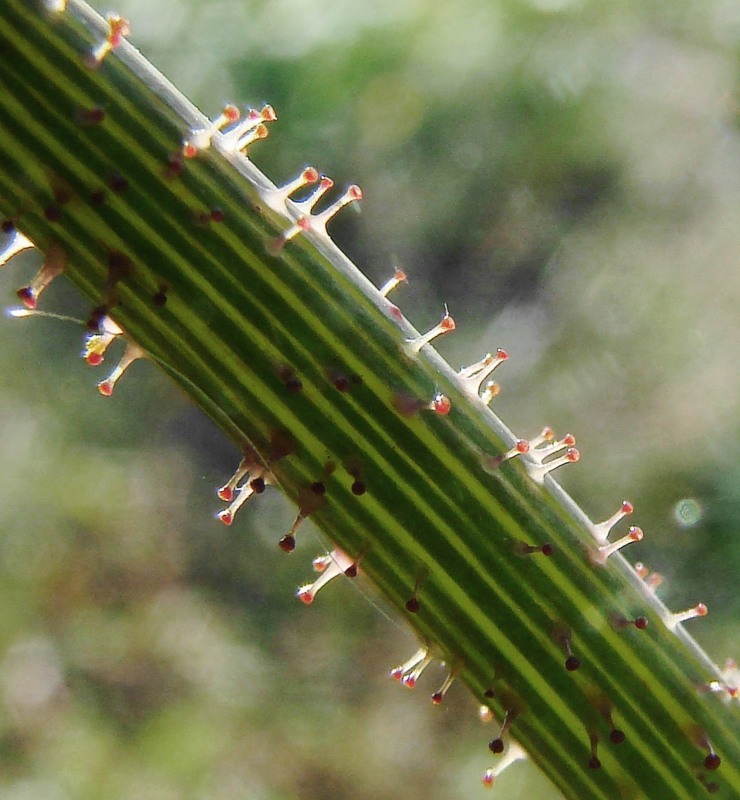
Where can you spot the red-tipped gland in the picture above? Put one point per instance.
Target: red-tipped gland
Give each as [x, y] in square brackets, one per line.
[601, 530]
[118, 28]
[490, 390]
[248, 461]
[334, 564]
[412, 605]
[287, 543]
[132, 353]
[513, 754]
[498, 744]
[317, 222]
[358, 488]
[473, 377]
[244, 126]
[54, 264]
[307, 205]
[446, 324]
[672, 620]
[410, 671]
[200, 138]
[276, 198]
[652, 579]
[399, 276]
[439, 695]
[97, 343]
[544, 446]
[225, 516]
[635, 534]
[539, 471]
[260, 132]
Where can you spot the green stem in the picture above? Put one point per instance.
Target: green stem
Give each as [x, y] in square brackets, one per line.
[297, 356]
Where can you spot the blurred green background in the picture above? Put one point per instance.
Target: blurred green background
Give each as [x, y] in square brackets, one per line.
[565, 175]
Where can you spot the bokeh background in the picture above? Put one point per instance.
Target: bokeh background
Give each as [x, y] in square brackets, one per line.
[565, 175]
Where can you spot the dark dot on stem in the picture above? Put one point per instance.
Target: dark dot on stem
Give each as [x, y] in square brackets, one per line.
[572, 663]
[358, 488]
[712, 761]
[412, 605]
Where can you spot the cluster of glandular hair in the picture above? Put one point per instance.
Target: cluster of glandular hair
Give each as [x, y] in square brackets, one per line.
[231, 132]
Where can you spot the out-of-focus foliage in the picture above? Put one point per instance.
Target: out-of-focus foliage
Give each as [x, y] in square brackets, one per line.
[565, 176]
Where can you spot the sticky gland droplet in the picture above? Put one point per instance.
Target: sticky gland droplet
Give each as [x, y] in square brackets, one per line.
[520, 447]
[601, 530]
[473, 377]
[538, 472]
[243, 132]
[446, 325]
[54, 264]
[200, 138]
[276, 198]
[316, 223]
[407, 405]
[600, 556]
[358, 488]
